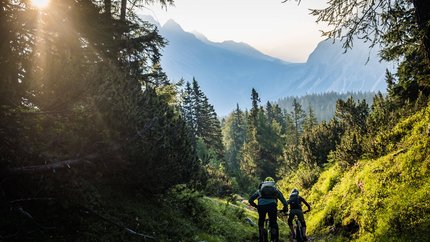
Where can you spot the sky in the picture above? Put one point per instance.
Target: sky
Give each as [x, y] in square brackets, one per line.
[283, 30]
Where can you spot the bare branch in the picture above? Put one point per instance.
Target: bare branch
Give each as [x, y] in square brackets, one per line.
[51, 167]
[32, 199]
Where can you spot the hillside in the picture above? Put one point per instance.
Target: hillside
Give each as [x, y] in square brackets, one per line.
[377, 199]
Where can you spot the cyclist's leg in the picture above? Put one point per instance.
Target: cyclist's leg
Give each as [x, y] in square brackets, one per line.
[262, 233]
[290, 223]
[273, 223]
[301, 218]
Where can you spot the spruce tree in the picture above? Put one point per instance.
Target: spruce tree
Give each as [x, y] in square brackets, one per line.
[234, 132]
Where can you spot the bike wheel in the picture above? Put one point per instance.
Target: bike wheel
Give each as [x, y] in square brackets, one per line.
[266, 231]
[299, 232]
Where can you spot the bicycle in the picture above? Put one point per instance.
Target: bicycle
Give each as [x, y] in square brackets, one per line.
[267, 229]
[298, 228]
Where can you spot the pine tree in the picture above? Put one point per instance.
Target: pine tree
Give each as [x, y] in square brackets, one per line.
[310, 121]
[254, 108]
[187, 108]
[202, 119]
[234, 132]
[295, 121]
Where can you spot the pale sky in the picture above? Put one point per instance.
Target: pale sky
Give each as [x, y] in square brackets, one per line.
[283, 30]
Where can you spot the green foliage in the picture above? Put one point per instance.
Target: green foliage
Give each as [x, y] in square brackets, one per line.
[234, 132]
[218, 183]
[324, 104]
[84, 107]
[350, 149]
[379, 199]
[204, 128]
[318, 142]
[207, 218]
[303, 178]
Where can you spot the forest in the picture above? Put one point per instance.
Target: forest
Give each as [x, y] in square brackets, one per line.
[98, 144]
[323, 105]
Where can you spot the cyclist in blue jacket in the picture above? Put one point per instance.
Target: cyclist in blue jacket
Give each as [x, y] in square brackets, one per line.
[268, 195]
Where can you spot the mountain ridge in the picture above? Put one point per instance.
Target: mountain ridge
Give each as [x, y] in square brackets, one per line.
[228, 70]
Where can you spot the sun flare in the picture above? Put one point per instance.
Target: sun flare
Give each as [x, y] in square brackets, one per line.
[40, 3]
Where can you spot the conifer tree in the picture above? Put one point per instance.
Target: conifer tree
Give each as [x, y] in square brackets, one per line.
[202, 119]
[255, 100]
[310, 120]
[295, 121]
[234, 132]
[187, 107]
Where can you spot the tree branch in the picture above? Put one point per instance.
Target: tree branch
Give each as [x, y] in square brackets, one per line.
[32, 199]
[50, 167]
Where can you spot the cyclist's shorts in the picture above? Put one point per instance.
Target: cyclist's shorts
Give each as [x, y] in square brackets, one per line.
[299, 214]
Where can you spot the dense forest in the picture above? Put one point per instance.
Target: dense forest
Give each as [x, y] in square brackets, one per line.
[323, 105]
[97, 144]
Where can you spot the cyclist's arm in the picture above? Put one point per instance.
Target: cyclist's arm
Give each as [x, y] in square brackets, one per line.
[282, 198]
[252, 199]
[306, 203]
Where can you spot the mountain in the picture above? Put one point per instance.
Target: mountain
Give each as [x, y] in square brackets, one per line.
[227, 71]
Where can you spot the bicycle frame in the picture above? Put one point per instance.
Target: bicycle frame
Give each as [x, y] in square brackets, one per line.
[297, 226]
[266, 229]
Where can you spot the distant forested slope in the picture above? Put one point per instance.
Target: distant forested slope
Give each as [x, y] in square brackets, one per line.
[323, 104]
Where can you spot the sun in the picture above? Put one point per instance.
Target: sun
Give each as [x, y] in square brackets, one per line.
[40, 3]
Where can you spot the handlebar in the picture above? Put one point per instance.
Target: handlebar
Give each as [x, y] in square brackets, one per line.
[288, 212]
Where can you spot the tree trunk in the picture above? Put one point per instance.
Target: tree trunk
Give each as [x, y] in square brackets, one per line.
[123, 9]
[108, 7]
[422, 12]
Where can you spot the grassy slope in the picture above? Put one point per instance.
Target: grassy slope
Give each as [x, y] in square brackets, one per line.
[383, 199]
[182, 215]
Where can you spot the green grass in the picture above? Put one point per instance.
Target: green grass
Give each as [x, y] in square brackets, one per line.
[181, 215]
[383, 199]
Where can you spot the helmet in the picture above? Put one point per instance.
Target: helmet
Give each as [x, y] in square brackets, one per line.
[269, 179]
[295, 191]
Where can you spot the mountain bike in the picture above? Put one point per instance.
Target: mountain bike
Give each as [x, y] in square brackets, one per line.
[297, 225]
[267, 228]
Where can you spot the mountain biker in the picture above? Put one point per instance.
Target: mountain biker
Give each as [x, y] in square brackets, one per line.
[267, 195]
[295, 202]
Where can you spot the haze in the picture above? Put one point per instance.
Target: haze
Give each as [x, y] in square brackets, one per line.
[283, 30]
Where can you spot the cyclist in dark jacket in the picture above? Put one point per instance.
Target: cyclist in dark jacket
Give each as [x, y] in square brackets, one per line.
[295, 203]
[267, 195]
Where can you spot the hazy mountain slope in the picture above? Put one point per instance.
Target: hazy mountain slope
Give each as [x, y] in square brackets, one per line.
[228, 71]
[226, 75]
[324, 104]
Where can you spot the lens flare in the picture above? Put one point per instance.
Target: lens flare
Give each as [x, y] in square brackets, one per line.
[40, 3]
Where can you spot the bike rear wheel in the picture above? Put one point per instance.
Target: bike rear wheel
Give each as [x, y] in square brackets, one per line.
[299, 232]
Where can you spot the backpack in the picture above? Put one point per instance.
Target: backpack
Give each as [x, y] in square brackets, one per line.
[268, 190]
[294, 201]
